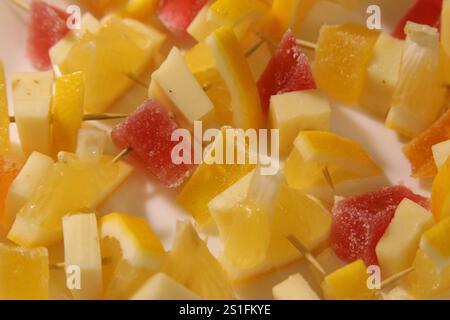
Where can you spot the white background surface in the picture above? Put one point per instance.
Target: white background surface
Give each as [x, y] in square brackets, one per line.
[140, 196]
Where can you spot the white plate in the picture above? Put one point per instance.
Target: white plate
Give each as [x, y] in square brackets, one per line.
[139, 196]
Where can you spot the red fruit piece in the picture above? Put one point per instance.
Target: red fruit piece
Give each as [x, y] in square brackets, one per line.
[47, 27]
[424, 12]
[177, 15]
[288, 70]
[360, 222]
[148, 132]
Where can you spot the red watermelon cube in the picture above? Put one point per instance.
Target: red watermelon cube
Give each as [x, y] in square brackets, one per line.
[360, 222]
[424, 12]
[288, 70]
[148, 132]
[47, 26]
[177, 15]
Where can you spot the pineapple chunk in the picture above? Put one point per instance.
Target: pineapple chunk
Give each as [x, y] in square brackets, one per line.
[234, 69]
[296, 111]
[200, 27]
[435, 243]
[441, 152]
[175, 86]
[24, 273]
[140, 9]
[32, 94]
[419, 96]
[382, 75]
[294, 288]
[134, 253]
[398, 246]
[91, 144]
[163, 287]
[4, 116]
[445, 38]
[36, 168]
[71, 186]
[82, 249]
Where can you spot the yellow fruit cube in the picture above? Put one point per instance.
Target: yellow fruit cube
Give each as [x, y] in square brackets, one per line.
[199, 58]
[24, 273]
[419, 96]
[348, 283]
[37, 167]
[134, 253]
[328, 260]
[396, 249]
[382, 75]
[296, 111]
[294, 287]
[436, 244]
[32, 95]
[67, 111]
[175, 86]
[441, 152]
[201, 27]
[445, 38]
[82, 251]
[140, 9]
[91, 144]
[234, 69]
[440, 194]
[4, 115]
[162, 287]
[342, 56]
[71, 186]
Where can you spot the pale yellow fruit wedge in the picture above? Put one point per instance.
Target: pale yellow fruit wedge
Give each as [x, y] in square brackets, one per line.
[294, 287]
[4, 115]
[441, 152]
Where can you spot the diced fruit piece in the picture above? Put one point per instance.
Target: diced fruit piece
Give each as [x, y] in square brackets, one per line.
[382, 75]
[148, 133]
[4, 115]
[175, 86]
[60, 50]
[100, 7]
[24, 273]
[435, 243]
[140, 9]
[296, 111]
[134, 253]
[9, 169]
[73, 185]
[209, 180]
[360, 222]
[32, 94]
[422, 11]
[398, 245]
[233, 67]
[348, 283]
[239, 14]
[426, 281]
[445, 39]
[258, 53]
[294, 287]
[441, 152]
[329, 262]
[37, 167]
[119, 48]
[163, 287]
[177, 15]
[440, 193]
[82, 250]
[67, 111]
[200, 27]
[419, 150]
[419, 96]
[342, 56]
[398, 293]
[324, 164]
[287, 71]
[191, 264]
[48, 25]
[91, 144]
[248, 235]
[199, 58]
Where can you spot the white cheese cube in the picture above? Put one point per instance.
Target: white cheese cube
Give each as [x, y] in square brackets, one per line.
[296, 111]
[398, 246]
[32, 95]
[294, 288]
[441, 151]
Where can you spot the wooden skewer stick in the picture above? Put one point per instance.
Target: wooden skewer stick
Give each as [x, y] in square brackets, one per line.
[122, 154]
[92, 117]
[328, 178]
[24, 6]
[396, 277]
[308, 255]
[306, 44]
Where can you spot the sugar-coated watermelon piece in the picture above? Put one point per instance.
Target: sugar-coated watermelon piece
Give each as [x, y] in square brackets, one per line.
[288, 70]
[423, 12]
[47, 26]
[177, 15]
[360, 222]
[148, 133]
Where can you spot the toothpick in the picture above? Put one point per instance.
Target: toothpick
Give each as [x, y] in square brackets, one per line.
[253, 49]
[396, 277]
[306, 44]
[328, 178]
[92, 117]
[122, 154]
[308, 255]
[22, 5]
